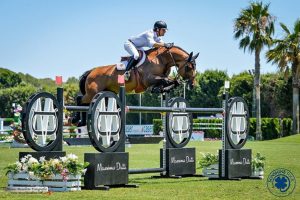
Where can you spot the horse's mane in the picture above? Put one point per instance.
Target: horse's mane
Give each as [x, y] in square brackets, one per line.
[181, 49]
[148, 52]
[151, 53]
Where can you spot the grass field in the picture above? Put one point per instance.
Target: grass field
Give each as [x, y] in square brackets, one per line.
[280, 153]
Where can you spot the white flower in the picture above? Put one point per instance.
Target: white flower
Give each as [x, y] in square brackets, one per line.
[63, 159]
[72, 156]
[55, 161]
[42, 159]
[19, 166]
[23, 160]
[31, 161]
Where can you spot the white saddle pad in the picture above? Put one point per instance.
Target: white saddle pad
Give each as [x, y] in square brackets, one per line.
[122, 65]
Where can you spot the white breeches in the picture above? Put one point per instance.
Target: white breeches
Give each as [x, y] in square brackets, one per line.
[131, 49]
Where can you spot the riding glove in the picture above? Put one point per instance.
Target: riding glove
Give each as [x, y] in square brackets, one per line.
[169, 45]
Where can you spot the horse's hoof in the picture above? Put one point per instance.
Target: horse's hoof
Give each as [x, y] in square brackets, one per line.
[156, 90]
[74, 120]
[169, 88]
[81, 124]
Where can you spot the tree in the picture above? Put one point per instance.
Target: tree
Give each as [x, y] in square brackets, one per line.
[18, 95]
[210, 82]
[72, 80]
[286, 54]
[276, 100]
[241, 85]
[254, 26]
[8, 78]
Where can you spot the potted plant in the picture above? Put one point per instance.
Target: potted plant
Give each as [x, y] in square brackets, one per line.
[258, 165]
[59, 174]
[209, 164]
[72, 131]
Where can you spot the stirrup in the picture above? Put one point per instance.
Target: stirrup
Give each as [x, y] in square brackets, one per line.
[127, 75]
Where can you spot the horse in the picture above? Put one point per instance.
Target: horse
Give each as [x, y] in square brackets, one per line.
[153, 73]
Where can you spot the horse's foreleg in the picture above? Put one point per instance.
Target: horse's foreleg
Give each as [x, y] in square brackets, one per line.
[161, 84]
[159, 80]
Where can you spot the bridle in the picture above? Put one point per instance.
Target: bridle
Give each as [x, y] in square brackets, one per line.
[186, 67]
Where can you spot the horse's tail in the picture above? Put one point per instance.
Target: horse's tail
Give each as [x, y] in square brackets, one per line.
[82, 80]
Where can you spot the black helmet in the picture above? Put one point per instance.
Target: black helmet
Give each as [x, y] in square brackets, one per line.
[160, 24]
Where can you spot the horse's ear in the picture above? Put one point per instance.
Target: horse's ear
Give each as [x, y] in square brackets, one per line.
[190, 57]
[195, 57]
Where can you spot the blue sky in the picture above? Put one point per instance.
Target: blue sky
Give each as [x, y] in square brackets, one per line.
[45, 38]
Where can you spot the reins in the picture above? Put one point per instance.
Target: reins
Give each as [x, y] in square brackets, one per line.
[177, 77]
[177, 68]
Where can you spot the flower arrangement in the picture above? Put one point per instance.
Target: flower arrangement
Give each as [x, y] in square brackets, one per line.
[6, 138]
[208, 159]
[258, 162]
[45, 169]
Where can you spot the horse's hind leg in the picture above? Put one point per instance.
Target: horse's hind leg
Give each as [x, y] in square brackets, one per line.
[92, 89]
[77, 117]
[81, 116]
[87, 98]
[85, 101]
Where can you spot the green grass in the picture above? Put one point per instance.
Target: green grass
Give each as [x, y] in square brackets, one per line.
[284, 153]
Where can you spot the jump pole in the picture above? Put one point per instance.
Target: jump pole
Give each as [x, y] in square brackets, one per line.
[163, 109]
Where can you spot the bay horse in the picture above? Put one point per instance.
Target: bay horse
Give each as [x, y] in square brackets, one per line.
[153, 73]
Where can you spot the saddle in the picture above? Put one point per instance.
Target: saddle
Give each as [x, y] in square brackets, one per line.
[124, 60]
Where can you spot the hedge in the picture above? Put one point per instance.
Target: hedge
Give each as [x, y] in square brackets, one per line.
[272, 128]
[209, 133]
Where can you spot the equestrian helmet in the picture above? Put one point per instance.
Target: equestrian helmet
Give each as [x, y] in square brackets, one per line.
[160, 24]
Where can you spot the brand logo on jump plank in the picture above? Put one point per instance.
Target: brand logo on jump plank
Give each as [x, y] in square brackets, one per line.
[187, 159]
[244, 161]
[117, 167]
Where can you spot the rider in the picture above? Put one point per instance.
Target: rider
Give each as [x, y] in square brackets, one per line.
[150, 38]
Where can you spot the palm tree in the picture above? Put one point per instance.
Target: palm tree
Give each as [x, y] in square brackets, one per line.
[254, 26]
[286, 54]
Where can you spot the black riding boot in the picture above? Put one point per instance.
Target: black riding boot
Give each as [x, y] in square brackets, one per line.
[131, 63]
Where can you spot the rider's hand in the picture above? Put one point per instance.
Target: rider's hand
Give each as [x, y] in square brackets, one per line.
[169, 45]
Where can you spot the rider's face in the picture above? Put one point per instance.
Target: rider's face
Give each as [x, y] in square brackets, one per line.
[162, 31]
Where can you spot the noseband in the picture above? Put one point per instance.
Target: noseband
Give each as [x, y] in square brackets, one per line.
[186, 67]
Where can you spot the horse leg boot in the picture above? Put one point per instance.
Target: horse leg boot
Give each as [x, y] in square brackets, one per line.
[80, 116]
[131, 63]
[83, 119]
